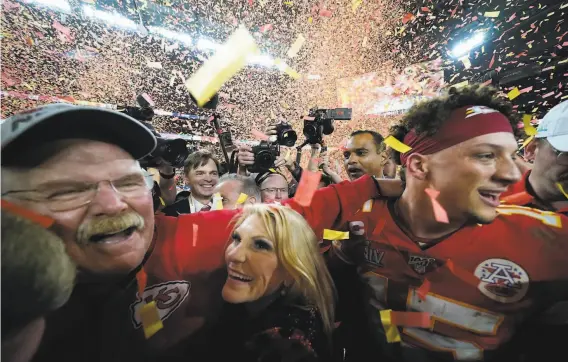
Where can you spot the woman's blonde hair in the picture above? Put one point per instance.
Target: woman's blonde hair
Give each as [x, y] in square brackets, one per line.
[297, 250]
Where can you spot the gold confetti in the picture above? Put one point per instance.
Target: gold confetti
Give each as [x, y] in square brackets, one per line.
[227, 61]
[492, 14]
[396, 144]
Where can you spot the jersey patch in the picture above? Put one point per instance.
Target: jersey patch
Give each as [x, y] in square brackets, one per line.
[168, 297]
[357, 228]
[502, 280]
[421, 264]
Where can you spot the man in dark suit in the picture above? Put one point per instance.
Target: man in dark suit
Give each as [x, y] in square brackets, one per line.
[201, 172]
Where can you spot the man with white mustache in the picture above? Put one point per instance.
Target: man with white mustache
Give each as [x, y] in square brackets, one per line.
[144, 282]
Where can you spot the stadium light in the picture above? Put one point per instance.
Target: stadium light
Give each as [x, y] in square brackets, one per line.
[109, 18]
[61, 5]
[464, 47]
[207, 44]
[173, 35]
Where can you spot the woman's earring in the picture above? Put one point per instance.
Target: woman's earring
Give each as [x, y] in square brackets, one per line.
[284, 290]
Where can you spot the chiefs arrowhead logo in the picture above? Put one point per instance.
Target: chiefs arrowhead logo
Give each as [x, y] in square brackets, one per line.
[168, 297]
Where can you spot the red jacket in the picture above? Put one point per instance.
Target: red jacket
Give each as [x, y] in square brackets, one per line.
[185, 276]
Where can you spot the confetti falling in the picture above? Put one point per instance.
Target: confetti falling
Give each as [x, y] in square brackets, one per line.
[440, 213]
[79, 56]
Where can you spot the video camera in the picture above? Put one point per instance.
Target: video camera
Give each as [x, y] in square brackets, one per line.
[266, 152]
[172, 152]
[321, 122]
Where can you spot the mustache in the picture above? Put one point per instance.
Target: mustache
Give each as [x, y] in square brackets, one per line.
[109, 225]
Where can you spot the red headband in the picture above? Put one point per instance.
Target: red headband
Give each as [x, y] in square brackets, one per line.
[457, 129]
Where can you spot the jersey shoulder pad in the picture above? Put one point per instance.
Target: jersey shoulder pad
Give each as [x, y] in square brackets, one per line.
[530, 217]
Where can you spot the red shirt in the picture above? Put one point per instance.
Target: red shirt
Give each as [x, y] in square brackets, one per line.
[499, 275]
[520, 194]
[186, 273]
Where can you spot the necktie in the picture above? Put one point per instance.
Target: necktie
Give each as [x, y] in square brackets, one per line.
[206, 208]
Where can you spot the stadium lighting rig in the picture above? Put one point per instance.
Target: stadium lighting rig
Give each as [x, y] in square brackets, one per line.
[466, 46]
[116, 20]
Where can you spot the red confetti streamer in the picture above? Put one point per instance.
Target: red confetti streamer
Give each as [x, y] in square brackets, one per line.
[30, 215]
[259, 135]
[439, 213]
[411, 319]
[195, 230]
[423, 290]
[407, 17]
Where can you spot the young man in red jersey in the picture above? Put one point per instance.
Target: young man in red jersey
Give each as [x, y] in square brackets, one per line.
[479, 274]
[545, 186]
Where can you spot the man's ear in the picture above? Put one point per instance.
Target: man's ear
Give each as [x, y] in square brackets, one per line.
[417, 166]
[251, 200]
[531, 150]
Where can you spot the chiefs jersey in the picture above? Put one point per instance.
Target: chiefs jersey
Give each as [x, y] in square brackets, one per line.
[478, 284]
[521, 194]
[185, 274]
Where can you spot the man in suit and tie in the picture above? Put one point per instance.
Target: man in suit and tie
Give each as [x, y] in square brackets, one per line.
[201, 172]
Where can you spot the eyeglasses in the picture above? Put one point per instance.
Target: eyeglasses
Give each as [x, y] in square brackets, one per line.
[273, 191]
[561, 157]
[72, 195]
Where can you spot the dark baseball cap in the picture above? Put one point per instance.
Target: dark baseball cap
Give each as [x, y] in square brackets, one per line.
[28, 129]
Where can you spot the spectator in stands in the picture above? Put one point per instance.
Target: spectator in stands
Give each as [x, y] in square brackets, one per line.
[545, 187]
[364, 154]
[231, 186]
[201, 172]
[273, 186]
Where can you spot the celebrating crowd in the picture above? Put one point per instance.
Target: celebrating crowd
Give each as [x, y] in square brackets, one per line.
[439, 250]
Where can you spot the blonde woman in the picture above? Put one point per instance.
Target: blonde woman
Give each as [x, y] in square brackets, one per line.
[279, 295]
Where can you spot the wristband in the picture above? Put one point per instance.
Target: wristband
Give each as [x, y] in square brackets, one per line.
[168, 177]
[377, 185]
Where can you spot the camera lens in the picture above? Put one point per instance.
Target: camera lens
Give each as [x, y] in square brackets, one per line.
[174, 152]
[288, 139]
[264, 160]
[286, 136]
[310, 131]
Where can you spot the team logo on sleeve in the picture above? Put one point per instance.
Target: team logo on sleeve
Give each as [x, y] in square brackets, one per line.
[168, 297]
[502, 280]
